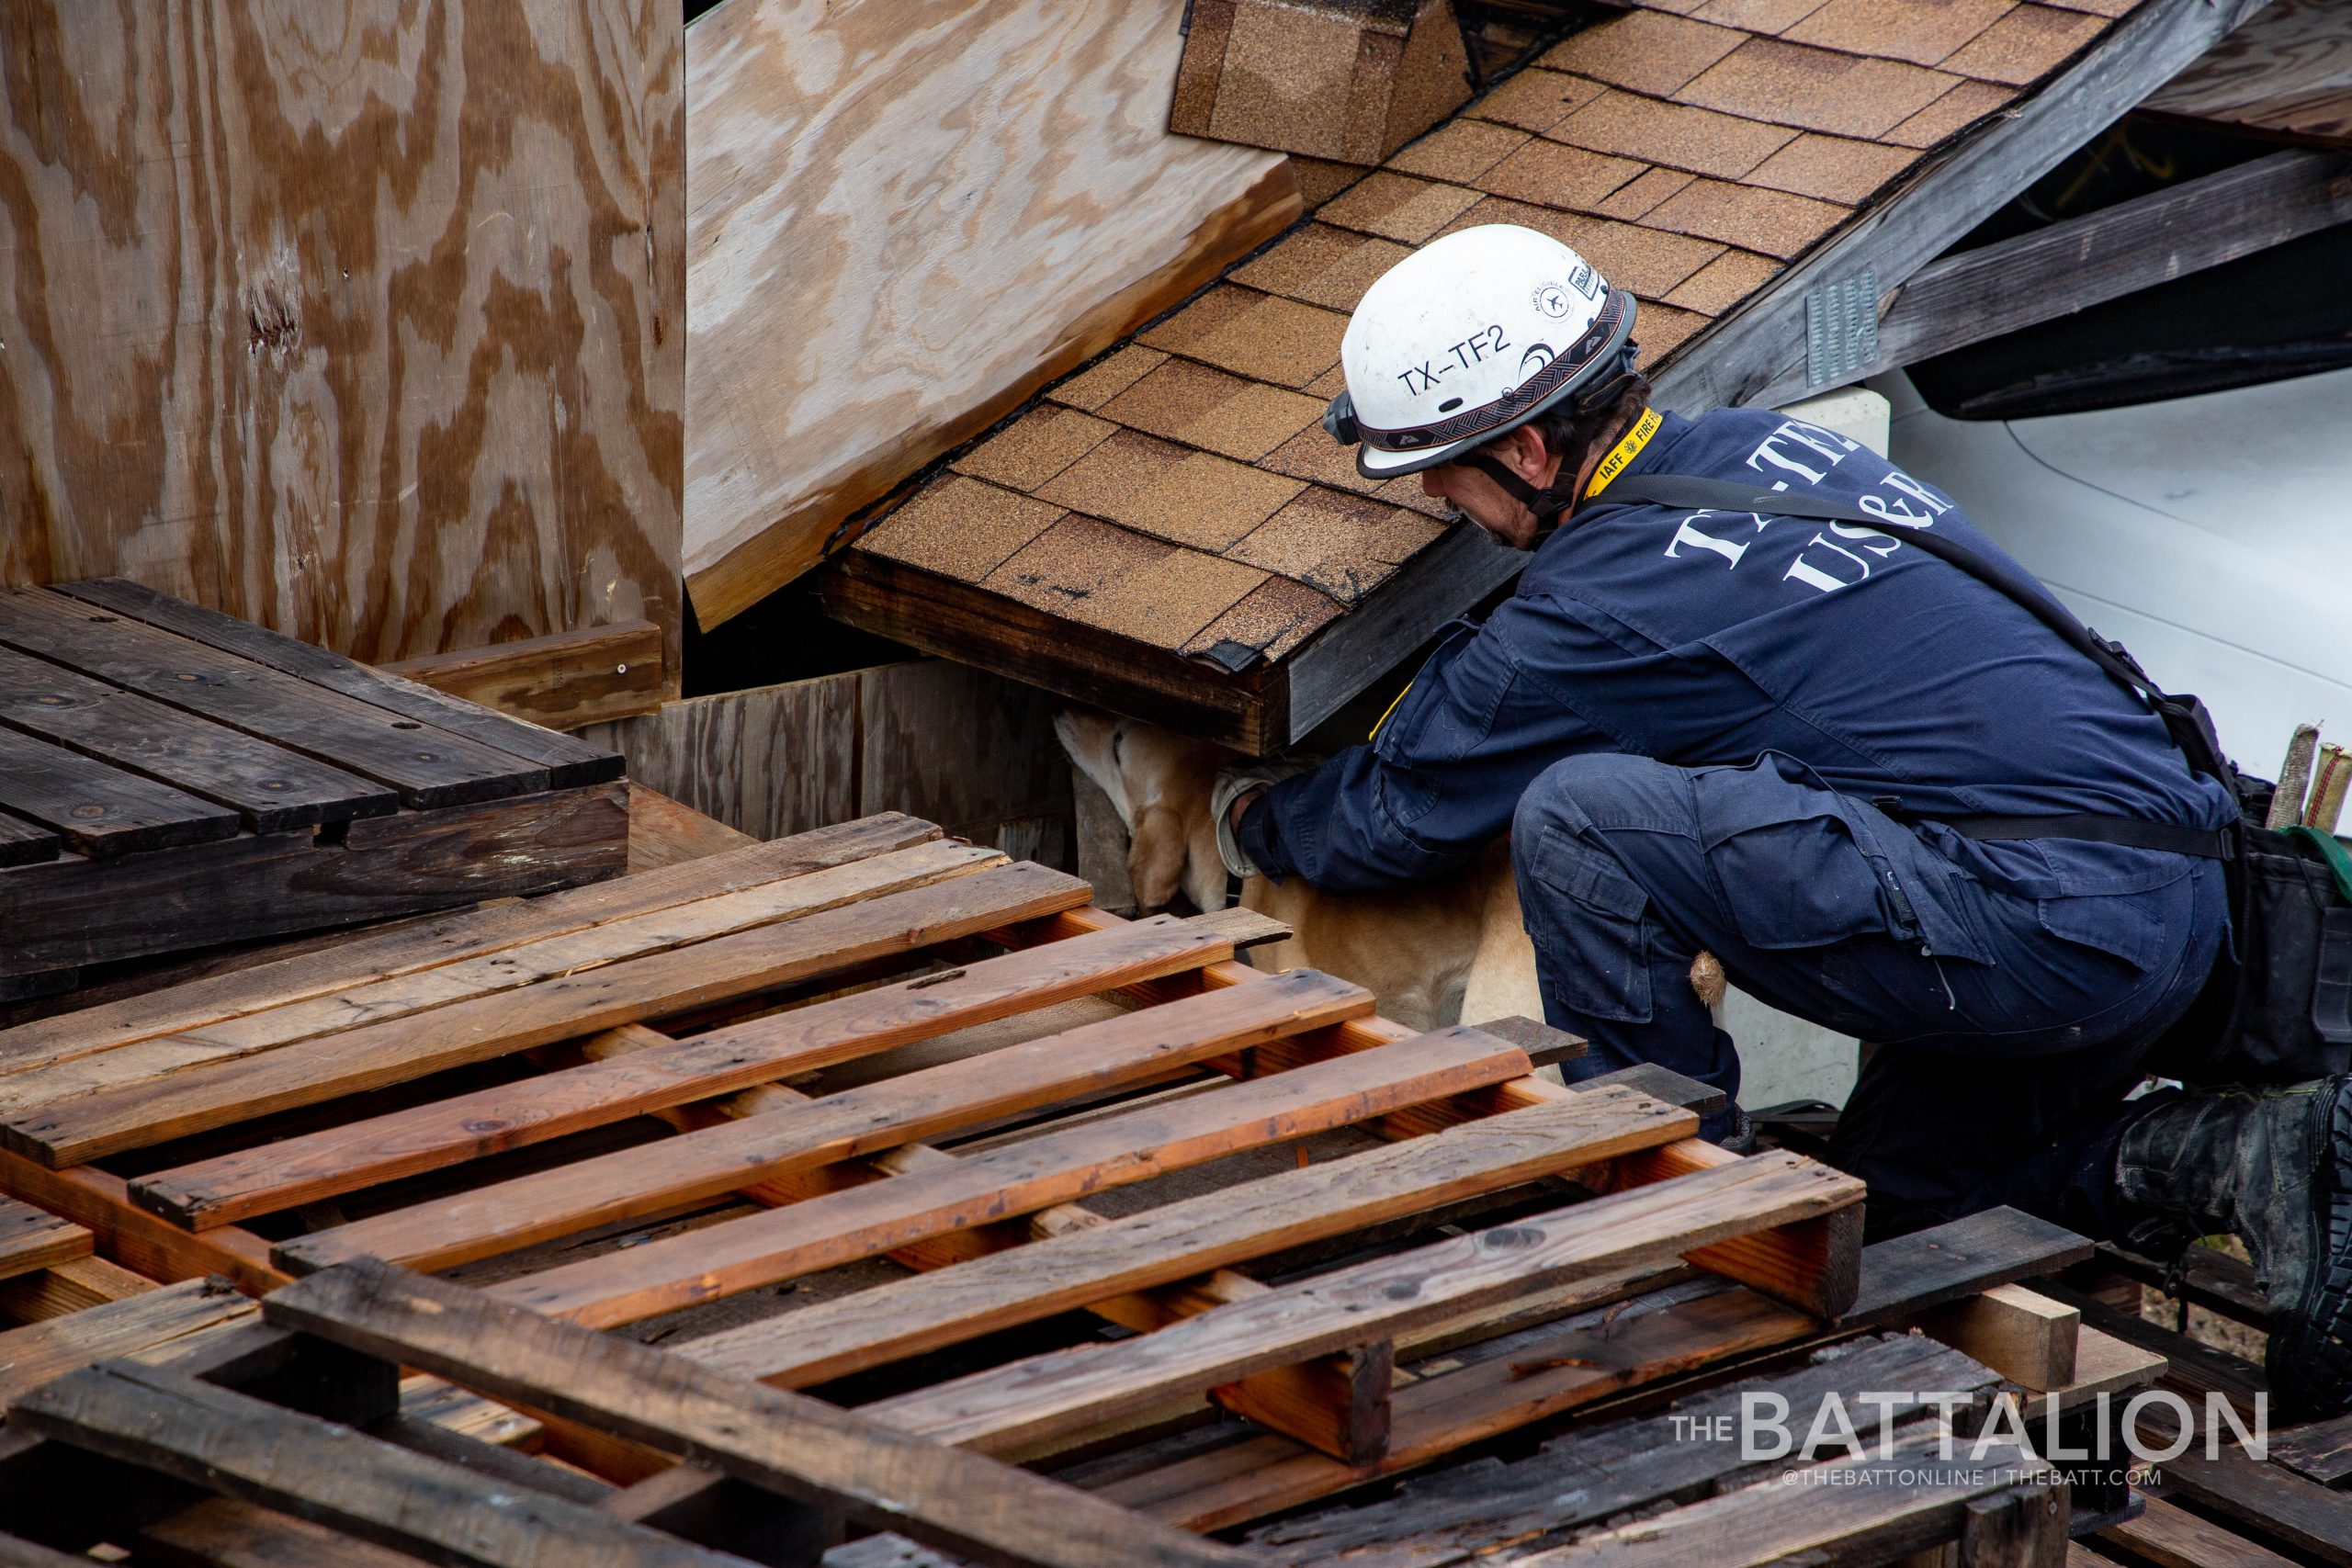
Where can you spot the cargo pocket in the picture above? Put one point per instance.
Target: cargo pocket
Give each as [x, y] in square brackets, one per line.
[1788, 860]
[2119, 924]
[1594, 942]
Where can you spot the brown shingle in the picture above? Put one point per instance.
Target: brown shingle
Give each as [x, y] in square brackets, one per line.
[1673, 134]
[1193, 403]
[1637, 197]
[1344, 545]
[1263, 336]
[1071, 561]
[1107, 378]
[1765, 79]
[1312, 455]
[1535, 99]
[1722, 283]
[1758, 15]
[1460, 149]
[1772, 221]
[1090, 573]
[2025, 45]
[1406, 491]
[1167, 603]
[1397, 207]
[1191, 498]
[1035, 447]
[1551, 174]
[2097, 8]
[1276, 616]
[1643, 52]
[1287, 80]
[1948, 116]
[1323, 266]
[1663, 328]
[1644, 260]
[1921, 31]
[1320, 179]
[1831, 168]
[1201, 64]
[960, 527]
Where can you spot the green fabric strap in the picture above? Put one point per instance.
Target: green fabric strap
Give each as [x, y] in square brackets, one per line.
[2334, 853]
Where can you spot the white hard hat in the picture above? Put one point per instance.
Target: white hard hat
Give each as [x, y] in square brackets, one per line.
[1467, 337]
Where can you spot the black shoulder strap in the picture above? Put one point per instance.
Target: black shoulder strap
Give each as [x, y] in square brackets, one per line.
[2185, 718]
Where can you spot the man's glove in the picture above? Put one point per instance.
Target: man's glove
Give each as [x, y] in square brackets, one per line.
[1232, 783]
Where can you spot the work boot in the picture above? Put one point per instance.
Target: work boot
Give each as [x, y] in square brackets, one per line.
[2272, 1167]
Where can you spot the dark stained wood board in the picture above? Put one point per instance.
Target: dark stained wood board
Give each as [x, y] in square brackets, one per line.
[162, 792]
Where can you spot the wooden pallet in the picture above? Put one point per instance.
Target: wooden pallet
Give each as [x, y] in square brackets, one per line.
[174, 778]
[471, 1095]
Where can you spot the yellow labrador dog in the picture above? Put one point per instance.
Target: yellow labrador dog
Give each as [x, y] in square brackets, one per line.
[1434, 955]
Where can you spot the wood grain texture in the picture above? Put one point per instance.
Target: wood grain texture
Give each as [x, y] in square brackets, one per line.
[800, 1447]
[358, 320]
[34, 1238]
[563, 681]
[907, 218]
[789, 758]
[2287, 73]
[32, 1355]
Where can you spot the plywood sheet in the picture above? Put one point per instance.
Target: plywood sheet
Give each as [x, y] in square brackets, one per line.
[356, 319]
[907, 215]
[2287, 73]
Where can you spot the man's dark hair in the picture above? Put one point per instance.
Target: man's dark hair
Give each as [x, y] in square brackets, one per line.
[1570, 427]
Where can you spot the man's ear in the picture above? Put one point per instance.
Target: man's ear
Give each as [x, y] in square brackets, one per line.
[1156, 856]
[1524, 451]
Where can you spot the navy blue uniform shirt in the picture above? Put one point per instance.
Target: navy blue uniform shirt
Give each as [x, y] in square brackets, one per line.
[1710, 638]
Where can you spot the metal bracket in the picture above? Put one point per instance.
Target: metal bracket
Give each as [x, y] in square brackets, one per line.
[1842, 329]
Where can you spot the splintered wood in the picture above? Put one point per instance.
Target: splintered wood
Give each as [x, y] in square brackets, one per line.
[715, 1092]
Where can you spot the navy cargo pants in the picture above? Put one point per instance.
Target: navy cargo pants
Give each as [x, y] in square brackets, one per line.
[2005, 1047]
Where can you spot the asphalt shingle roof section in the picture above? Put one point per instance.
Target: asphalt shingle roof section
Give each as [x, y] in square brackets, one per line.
[1180, 491]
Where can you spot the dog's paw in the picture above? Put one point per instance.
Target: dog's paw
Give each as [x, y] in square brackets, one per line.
[1707, 978]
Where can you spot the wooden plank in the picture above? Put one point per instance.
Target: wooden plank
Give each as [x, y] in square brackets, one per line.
[1540, 1372]
[34, 1238]
[264, 1454]
[1011, 784]
[569, 763]
[782, 1442]
[2268, 1500]
[67, 1287]
[2321, 1450]
[2068, 266]
[2210, 1277]
[1469, 1513]
[636, 1181]
[140, 1115]
[1175, 1241]
[1031, 1399]
[17, 1552]
[1054, 260]
[428, 765]
[32, 1355]
[2025, 1337]
[770, 760]
[221, 1532]
[1051, 1169]
[96, 1201]
[2172, 1536]
[1813, 1264]
[1960, 1258]
[99, 809]
[60, 916]
[272, 788]
[2103, 1365]
[662, 831]
[444, 940]
[23, 843]
[561, 681]
[2287, 73]
[510, 968]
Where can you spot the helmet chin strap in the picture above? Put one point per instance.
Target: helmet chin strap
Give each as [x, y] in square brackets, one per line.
[1548, 504]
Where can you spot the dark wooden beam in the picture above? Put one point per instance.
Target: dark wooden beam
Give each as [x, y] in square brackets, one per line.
[2102, 256]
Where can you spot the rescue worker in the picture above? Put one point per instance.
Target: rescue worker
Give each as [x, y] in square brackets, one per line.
[1767, 737]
